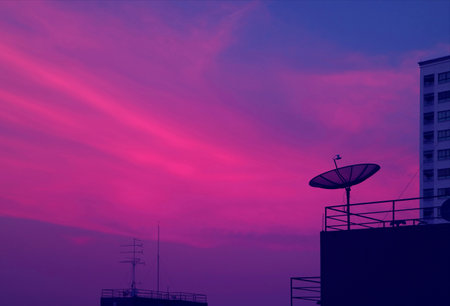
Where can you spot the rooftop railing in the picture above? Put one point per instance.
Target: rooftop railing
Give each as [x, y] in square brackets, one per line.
[150, 294]
[389, 213]
[306, 289]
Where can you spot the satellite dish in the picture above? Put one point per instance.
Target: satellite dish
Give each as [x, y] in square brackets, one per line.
[445, 210]
[345, 177]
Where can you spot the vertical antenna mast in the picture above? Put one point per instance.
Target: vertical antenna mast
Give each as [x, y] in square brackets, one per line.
[157, 264]
[135, 249]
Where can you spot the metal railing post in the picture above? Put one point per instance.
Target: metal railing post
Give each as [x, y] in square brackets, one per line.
[291, 293]
[347, 190]
[393, 213]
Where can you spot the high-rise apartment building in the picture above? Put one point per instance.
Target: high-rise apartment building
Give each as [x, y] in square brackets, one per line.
[434, 133]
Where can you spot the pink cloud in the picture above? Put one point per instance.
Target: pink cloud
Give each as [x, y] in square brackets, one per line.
[79, 240]
[352, 101]
[113, 126]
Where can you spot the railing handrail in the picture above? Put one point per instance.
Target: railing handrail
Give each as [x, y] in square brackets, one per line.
[388, 201]
[163, 295]
[337, 217]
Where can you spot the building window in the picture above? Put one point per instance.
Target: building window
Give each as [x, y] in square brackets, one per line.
[444, 154]
[444, 77]
[428, 192]
[428, 137]
[443, 192]
[428, 80]
[428, 99]
[428, 156]
[428, 212]
[428, 118]
[443, 174]
[443, 135]
[444, 96]
[428, 175]
[444, 116]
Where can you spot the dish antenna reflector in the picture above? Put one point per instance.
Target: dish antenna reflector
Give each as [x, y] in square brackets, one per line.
[445, 210]
[344, 177]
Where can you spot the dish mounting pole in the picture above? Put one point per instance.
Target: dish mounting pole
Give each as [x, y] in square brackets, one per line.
[347, 188]
[347, 191]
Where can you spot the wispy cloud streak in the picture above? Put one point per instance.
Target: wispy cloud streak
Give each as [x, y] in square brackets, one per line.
[114, 124]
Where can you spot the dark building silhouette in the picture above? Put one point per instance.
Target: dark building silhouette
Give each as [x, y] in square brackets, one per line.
[407, 265]
[390, 256]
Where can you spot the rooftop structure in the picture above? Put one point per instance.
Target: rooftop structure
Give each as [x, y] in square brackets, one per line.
[385, 254]
[141, 297]
[393, 252]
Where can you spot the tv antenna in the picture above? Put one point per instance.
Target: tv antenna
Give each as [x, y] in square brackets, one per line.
[135, 250]
[344, 177]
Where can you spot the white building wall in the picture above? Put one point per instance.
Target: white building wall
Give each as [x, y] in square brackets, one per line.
[434, 137]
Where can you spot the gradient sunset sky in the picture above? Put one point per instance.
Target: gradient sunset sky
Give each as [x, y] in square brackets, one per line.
[209, 117]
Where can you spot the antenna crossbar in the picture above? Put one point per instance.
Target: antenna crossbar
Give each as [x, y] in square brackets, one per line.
[135, 249]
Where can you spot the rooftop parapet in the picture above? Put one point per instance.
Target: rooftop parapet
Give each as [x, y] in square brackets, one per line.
[156, 295]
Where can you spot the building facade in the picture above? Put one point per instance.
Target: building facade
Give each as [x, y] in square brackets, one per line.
[434, 134]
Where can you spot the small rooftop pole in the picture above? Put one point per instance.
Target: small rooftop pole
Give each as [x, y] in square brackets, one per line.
[347, 188]
[157, 265]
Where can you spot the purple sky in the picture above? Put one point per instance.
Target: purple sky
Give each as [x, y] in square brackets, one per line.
[209, 117]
